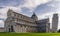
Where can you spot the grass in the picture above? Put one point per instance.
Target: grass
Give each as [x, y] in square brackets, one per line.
[29, 34]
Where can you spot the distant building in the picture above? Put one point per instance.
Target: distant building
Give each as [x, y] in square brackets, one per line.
[54, 22]
[1, 29]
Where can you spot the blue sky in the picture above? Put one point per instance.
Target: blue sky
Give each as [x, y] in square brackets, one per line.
[42, 8]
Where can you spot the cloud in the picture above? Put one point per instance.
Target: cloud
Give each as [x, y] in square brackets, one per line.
[11, 2]
[29, 4]
[47, 7]
[22, 3]
[3, 13]
[33, 3]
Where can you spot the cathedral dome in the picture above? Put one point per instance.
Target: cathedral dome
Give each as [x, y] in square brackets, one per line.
[34, 17]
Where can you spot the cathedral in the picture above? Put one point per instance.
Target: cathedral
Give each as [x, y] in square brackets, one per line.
[17, 22]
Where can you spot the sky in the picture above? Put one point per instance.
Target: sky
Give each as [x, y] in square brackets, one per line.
[42, 8]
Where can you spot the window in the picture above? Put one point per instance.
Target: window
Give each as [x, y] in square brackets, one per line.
[21, 25]
[21, 16]
[25, 26]
[18, 15]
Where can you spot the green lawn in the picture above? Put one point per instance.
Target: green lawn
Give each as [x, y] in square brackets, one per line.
[29, 34]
